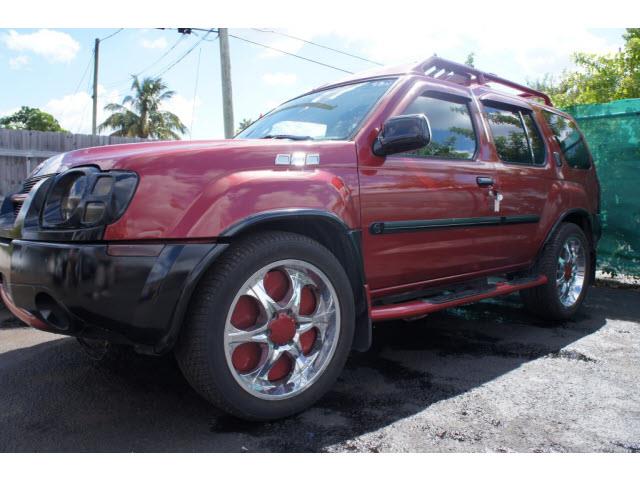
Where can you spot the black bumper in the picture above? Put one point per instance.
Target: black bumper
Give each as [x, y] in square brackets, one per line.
[134, 294]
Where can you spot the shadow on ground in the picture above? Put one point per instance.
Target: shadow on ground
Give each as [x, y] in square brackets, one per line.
[53, 398]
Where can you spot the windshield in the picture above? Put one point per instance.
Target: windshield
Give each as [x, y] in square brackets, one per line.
[332, 114]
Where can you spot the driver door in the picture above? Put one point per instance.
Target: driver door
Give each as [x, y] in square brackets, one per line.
[428, 215]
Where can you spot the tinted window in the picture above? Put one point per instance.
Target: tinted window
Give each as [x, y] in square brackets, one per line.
[452, 134]
[537, 144]
[515, 135]
[571, 143]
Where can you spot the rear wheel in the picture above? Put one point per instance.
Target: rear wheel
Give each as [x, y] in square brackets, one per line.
[269, 328]
[566, 262]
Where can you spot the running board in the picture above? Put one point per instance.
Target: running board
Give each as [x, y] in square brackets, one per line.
[421, 307]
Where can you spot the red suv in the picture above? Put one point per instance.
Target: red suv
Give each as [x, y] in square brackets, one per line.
[263, 260]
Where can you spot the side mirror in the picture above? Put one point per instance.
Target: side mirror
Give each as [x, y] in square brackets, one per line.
[403, 134]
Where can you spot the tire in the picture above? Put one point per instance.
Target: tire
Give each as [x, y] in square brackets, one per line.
[236, 376]
[547, 301]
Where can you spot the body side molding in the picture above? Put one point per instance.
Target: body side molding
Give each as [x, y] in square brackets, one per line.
[378, 228]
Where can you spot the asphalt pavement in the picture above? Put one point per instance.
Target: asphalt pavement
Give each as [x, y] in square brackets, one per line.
[486, 377]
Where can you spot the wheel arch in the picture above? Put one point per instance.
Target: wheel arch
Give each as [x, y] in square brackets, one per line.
[330, 231]
[583, 219]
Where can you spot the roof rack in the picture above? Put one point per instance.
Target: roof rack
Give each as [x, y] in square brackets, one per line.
[441, 69]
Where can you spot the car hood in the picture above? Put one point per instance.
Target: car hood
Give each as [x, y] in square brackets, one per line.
[170, 157]
[137, 156]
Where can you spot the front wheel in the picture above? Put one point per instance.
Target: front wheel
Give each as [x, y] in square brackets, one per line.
[269, 328]
[566, 262]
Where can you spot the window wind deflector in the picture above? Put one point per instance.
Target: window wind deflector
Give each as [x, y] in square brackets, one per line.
[289, 137]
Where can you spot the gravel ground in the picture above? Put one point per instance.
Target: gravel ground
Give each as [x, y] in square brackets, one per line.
[486, 377]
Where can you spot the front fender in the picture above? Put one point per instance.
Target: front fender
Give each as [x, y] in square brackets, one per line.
[234, 197]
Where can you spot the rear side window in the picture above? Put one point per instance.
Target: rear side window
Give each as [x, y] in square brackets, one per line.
[571, 142]
[515, 135]
[452, 133]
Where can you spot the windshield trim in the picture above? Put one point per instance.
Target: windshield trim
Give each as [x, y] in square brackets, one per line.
[364, 118]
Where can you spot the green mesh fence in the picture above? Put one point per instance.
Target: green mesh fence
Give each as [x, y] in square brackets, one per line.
[612, 131]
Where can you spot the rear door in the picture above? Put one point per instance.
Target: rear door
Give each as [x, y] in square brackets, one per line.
[524, 174]
[427, 215]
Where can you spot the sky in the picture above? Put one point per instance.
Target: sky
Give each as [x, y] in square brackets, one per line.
[51, 68]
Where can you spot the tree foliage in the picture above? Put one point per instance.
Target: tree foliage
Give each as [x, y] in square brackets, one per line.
[471, 58]
[244, 123]
[28, 118]
[598, 78]
[139, 115]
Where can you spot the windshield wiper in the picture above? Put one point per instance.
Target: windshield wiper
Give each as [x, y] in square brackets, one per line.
[289, 137]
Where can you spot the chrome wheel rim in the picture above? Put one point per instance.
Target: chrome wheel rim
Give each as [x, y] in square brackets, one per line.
[570, 273]
[282, 329]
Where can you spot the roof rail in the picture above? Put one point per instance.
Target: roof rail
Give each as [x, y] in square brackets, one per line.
[441, 69]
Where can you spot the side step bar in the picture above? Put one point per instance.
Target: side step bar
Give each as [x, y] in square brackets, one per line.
[417, 308]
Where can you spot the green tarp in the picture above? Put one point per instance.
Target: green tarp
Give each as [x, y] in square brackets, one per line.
[612, 131]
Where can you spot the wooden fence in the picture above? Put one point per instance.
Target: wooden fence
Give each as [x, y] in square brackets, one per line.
[22, 150]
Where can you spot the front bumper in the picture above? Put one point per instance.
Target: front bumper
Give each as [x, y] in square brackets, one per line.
[133, 294]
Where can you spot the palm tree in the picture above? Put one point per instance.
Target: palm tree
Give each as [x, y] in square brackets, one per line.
[139, 115]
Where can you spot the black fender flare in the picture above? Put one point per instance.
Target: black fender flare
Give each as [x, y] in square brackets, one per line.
[593, 236]
[350, 240]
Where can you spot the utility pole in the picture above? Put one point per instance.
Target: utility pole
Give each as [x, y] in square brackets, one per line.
[96, 54]
[225, 72]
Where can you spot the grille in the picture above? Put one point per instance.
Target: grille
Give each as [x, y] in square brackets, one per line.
[19, 197]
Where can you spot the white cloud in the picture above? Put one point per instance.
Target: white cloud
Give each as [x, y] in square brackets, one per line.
[183, 107]
[53, 45]
[74, 111]
[16, 63]
[518, 58]
[158, 43]
[280, 78]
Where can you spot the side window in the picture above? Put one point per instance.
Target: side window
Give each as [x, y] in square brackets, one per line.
[571, 143]
[515, 135]
[452, 133]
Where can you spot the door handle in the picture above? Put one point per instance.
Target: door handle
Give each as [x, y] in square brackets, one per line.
[484, 181]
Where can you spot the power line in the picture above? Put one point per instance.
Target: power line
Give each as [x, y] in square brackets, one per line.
[195, 92]
[319, 45]
[184, 55]
[167, 52]
[155, 62]
[283, 51]
[84, 74]
[111, 35]
[86, 104]
[291, 54]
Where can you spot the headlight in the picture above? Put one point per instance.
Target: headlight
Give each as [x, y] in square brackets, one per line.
[88, 197]
[72, 192]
